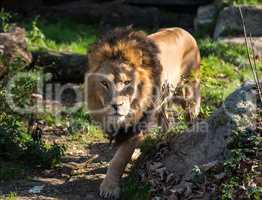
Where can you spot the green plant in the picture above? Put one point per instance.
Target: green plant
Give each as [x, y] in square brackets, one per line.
[241, 167]
[23, 87]
[35, 35]
[17, 145]
[197, 174]
[79, 121]
[135, 191]
[231, 53]
[47, 36]
[8, 172]
[10, 196]
[4, 20]
[246, 2]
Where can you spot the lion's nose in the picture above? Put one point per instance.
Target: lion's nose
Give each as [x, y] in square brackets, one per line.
[116, 106]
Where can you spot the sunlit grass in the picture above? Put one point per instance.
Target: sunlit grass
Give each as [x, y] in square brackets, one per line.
[224, 67]
[60, 35]
[245, 2]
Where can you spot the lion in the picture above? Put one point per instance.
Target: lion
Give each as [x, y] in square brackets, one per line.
[127, 71]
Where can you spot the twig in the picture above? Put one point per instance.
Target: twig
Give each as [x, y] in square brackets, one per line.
[253, 68]
[254, 61]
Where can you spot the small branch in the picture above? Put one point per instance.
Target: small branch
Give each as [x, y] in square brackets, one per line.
[255, 66]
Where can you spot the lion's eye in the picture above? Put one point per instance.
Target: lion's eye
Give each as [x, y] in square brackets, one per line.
[127, 82]
[104, 83]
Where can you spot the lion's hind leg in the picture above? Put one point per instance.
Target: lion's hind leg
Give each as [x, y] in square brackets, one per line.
[191, 92]
[193, 99]
[191, 84]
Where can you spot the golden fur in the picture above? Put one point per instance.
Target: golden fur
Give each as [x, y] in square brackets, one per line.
[127, 70]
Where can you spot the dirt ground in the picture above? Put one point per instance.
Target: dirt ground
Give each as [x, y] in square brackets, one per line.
[78, 176]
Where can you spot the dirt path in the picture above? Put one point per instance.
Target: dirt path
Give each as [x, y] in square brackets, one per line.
[78, 177]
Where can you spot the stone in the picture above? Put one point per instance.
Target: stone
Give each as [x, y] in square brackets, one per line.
[64, 67]
[117, 14]
[207, 142]
[26, 7]
[114, 13]
[110, 14]
[229, 21]
[13, 46]
[205, 20]
[169, 2]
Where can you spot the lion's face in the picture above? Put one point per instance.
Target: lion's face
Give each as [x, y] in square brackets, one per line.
[123, 71]
[114, 93]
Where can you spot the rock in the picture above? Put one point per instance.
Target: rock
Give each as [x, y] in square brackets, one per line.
[213, 166]
[83, 11]
[63, 67]
[156, 165]
[110, 14]
[220, 176]
[206, 143]
[229, 21]
[173, 196]
[169, 2]
[26, 7]
[13, 46]
[36, 189]
[257, 44]
[118, 14]
[205, 20]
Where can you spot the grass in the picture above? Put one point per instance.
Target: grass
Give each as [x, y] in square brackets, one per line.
[224, 67]
[134, 191]
[10, 196]
[245, 2]
[61, 35]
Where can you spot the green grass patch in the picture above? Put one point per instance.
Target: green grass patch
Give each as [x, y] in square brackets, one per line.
[135, 191]
[245, 2]
[10, 196]
[61, 35]
[224, 67]
[230, 53]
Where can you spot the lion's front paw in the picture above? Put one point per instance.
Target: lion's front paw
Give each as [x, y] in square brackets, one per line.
[109, 190]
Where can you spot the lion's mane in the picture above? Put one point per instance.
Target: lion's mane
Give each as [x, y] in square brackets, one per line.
[139, 51]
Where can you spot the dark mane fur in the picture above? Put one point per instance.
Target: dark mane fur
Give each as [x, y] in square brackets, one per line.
[147, 46]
